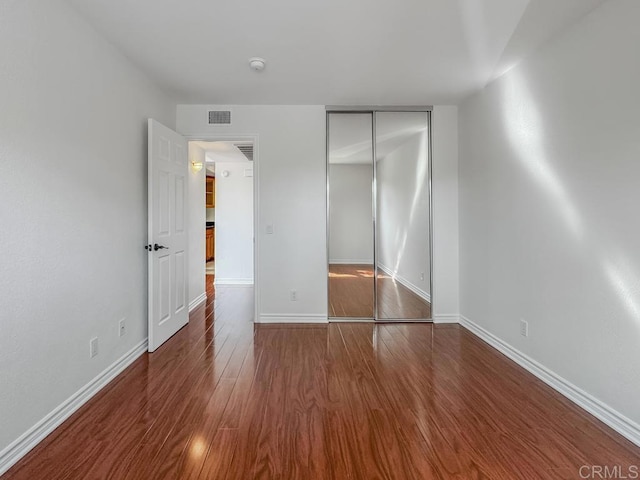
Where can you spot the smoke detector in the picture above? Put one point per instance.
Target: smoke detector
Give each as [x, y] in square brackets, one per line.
[257, 63]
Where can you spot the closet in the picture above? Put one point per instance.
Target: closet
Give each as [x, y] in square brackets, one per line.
[379, 213]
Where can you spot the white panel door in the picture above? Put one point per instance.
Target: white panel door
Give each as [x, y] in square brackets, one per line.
[167, 246]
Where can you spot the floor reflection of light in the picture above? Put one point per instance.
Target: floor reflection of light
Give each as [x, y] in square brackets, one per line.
[341, 275]
[366, 273]
[523, 123]
[198, 447]
[359, 274]
[374, 338]
[382, 274]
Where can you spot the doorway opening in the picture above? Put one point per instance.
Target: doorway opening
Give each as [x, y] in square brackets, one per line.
[228, 204]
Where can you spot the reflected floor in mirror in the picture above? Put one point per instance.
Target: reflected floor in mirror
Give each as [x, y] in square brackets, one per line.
[351, 291]
[351, 295]
[227, 399]
[395, 301]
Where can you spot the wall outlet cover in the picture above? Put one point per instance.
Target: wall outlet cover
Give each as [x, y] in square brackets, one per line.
[93, 347]
[524, 328]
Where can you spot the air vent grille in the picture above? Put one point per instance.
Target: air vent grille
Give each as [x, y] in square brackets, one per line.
[219, 117]
[247, 151]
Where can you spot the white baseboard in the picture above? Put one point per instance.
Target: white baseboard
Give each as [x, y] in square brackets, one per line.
[196, 302]
[603, 412]
[292, 318]
[366, 261]
[405, 282]
[20, 447]
[446, 318]
[233, 281]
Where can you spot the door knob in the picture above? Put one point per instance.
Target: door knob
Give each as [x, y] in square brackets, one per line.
[157, 247]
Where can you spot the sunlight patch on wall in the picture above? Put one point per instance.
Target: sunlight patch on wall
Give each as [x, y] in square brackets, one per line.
[625, 284]
[420, 184]
[523, 123]
[524, 126]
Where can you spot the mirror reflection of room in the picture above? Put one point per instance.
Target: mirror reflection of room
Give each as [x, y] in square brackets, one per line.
[351, 250]
[379, 215]
[402, 214]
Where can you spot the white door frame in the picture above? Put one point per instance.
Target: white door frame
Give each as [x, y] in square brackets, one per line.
[256, 203]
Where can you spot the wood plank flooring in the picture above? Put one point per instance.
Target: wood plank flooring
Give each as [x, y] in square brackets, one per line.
[227, 399]
[351, 291]
[397, 301]
[351, 295]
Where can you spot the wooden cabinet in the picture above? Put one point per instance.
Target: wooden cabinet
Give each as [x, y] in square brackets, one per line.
[211, 245]
[210, 201]
[210, 198]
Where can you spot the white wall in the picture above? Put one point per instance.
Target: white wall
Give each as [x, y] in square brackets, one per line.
[351, 217]
[549, 195]
[444, 187]
[197, 222]
[234, 224]
[73, 143]
[290, 173]
[403, 214]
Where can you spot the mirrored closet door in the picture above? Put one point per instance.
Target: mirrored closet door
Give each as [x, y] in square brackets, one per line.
[379, 214]
[402, 216]
[350, 215]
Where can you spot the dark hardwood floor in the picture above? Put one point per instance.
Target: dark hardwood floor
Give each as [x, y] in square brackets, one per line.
[227, 399]
[351, 295]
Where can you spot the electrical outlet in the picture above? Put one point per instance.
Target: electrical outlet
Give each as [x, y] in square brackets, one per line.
[122, 328]
[422, 276]
[93, 347]
[294, 296]
[524, 328]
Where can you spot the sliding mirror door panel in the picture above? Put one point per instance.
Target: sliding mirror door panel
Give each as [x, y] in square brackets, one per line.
[403, 227]
[350, 215]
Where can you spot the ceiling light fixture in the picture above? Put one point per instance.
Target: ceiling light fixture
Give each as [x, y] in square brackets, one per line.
[257, 63]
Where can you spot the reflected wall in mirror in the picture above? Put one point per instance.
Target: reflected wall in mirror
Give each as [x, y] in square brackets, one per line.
[403, 215]
[350, 215]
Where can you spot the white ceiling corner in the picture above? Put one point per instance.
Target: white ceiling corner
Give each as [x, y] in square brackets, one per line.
[542, 20]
